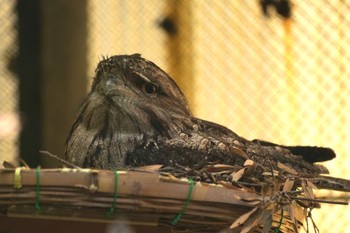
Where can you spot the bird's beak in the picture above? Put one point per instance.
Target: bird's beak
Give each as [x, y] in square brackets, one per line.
[118, 88]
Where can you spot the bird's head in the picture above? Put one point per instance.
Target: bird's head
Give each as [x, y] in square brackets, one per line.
[139, 88]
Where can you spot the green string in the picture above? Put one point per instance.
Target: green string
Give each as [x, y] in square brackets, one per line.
[177, 218]
[280, 223]
[114, 206]
[37, 200]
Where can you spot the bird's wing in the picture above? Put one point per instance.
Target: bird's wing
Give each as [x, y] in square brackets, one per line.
[202, 140]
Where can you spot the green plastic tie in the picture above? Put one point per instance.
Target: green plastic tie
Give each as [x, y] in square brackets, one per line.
[115, 197]
[37, 199]
[280, 223]
[177, 218]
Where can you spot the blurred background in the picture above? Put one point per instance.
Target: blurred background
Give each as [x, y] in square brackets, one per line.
[276, 70]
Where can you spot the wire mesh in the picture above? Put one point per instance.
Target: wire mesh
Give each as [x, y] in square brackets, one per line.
[125, 27]
[283, 80]
[280, 80]
[270, 78]
[9, 123]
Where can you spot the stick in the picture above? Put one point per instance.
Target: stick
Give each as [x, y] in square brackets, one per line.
[320, 201]
[58, 159]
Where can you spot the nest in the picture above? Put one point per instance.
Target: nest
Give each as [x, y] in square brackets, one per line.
[210, 199]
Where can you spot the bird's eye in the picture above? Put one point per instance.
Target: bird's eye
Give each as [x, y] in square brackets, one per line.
[150, 88]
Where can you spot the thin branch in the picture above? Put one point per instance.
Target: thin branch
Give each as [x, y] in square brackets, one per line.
[24, 163]
[320, 201]
[58, 159]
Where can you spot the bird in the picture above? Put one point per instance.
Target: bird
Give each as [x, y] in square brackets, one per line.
[136, 115]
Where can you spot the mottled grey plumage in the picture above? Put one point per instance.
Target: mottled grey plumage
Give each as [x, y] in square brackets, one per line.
[136, 115]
